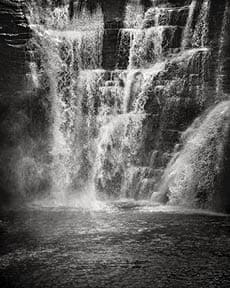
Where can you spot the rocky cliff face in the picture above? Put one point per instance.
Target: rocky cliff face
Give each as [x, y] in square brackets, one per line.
[14, 34]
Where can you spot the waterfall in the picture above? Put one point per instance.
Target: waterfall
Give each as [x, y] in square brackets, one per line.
[133, 15]
[63, 50]
[200, 35]
[188, 28]
[193, 177]
[123, 133]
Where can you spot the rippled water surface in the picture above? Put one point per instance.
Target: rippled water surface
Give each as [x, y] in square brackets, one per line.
[122, 245]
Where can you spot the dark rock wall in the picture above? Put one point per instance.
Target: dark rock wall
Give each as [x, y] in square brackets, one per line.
[113, 19]
[14, 34]
[23, 119]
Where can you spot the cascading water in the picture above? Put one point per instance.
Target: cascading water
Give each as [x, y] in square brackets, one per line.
[193, 177]
[113, 133]
[200, 35]
[185, 91]
[61, 54]
[187, 31]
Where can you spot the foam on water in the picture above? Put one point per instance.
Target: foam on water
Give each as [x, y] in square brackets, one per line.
[118, 206]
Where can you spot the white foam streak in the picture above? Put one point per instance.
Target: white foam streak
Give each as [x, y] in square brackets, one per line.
[187, 31]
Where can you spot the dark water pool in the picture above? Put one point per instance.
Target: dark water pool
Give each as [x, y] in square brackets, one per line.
[122, 246]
